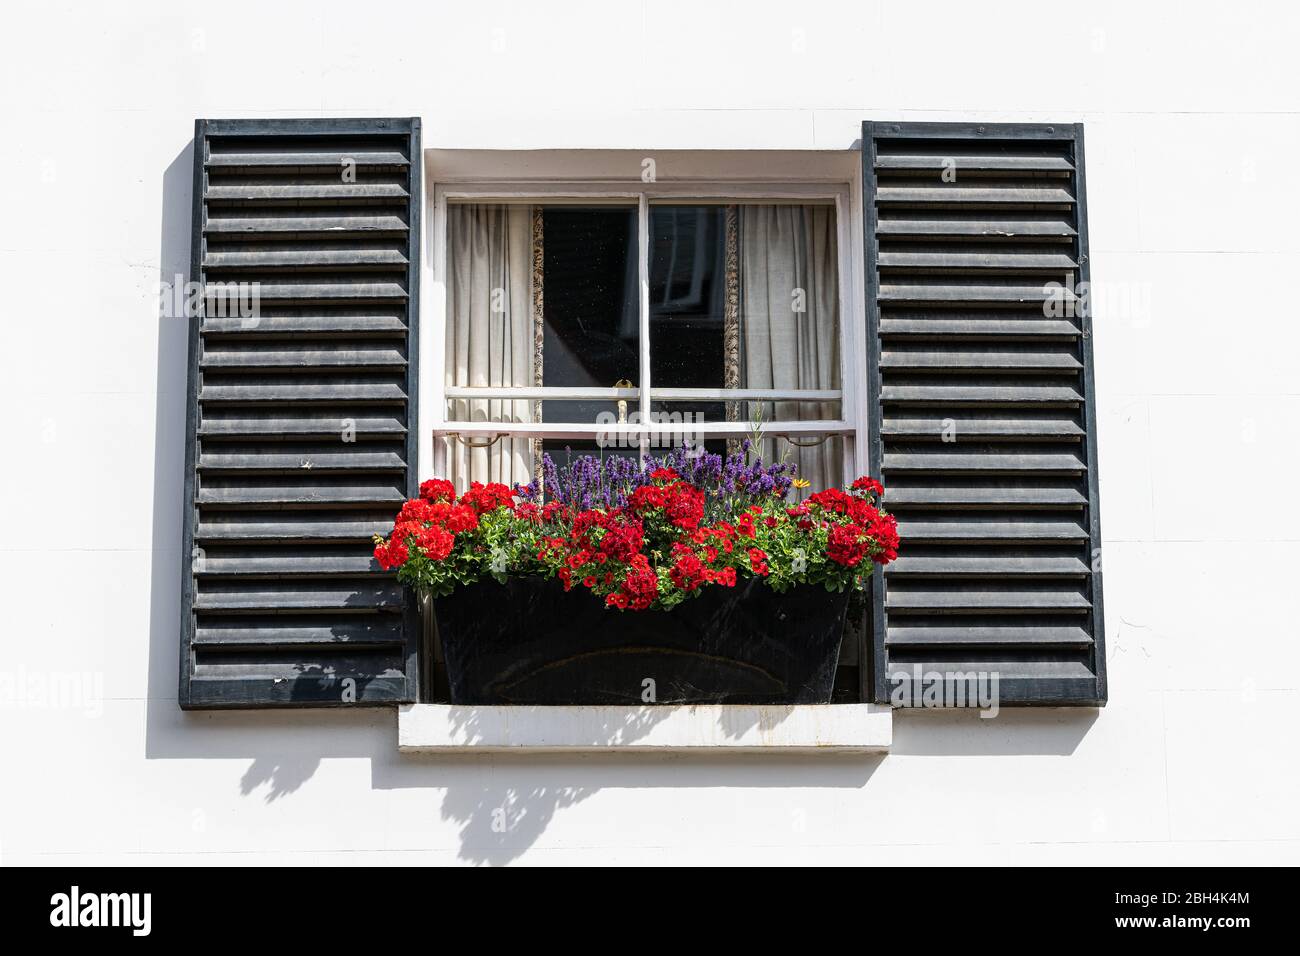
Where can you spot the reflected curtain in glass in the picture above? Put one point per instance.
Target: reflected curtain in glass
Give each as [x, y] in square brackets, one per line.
[789, 323]
[490, 332]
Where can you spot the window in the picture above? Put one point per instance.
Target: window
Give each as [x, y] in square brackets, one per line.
[591, 312]
[591, 320]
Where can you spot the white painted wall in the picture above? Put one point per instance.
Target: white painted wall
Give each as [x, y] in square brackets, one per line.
[1192, 137]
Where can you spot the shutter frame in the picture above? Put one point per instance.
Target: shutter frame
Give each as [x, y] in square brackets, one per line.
[1023, 687]
[341, 654]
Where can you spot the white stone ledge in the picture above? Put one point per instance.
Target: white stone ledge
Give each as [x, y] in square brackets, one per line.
[711, 728]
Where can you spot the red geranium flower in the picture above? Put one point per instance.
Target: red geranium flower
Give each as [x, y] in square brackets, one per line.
[437, 489]
[484, 498]
[684, 505]
[862, 512]
[845, 545]
[646, 499]
[436, 542]
[884, 528]
[622, 542]
[461, 518]
[832, 499]
[688, 573]
[439, 541]
[641, 585]
[391, 555]
[867, 486]
[417, 511]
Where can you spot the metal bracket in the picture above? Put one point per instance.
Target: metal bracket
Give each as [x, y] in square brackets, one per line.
[806, 444]
[622, 405]
[475, 443]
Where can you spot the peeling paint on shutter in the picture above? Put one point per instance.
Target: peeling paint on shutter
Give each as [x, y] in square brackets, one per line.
[983, 417]
[302, 430]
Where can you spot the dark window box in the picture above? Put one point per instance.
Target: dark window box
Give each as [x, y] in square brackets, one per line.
[528, 642]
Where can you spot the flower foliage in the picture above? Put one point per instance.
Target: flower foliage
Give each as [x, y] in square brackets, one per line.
[642, 536]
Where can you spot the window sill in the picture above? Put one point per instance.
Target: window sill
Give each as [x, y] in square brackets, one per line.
[799, 729]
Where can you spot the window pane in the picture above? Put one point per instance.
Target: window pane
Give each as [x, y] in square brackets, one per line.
[789, 297]
[490, 331]
[592, 314]
[700, 412]
[592, 326]
[687, 295]
[747, 296]
[554, 411]
[588, 326]
[741, 296]
[780, 326]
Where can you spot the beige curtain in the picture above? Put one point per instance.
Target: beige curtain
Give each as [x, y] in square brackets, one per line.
[788, 261]
[490, 332]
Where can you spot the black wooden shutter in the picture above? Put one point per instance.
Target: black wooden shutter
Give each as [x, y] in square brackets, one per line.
[983, 418]
[302, 432]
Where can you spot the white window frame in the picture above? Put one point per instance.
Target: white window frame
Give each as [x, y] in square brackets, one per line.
[437, 430]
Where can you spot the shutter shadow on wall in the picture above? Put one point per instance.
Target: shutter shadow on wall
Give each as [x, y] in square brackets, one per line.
[301, 422]
[982, 411]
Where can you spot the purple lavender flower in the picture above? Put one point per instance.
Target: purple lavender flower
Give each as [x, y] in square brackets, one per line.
[729, 483]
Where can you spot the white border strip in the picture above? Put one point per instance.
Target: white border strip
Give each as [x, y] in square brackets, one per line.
[797, 729]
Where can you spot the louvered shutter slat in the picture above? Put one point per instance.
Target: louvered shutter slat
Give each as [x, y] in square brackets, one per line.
[982, 412]
[302, 416]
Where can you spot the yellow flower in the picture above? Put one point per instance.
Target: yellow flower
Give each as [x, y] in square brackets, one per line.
[800, 483]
